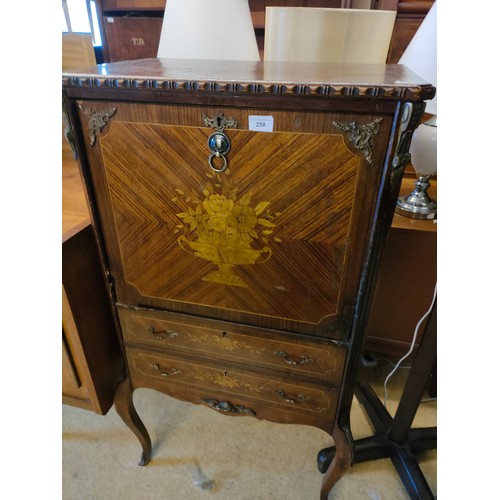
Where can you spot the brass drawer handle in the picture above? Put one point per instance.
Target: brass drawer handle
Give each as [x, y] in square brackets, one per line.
[227, 407]
[157, 334]
[300, 398]
[165, 373]
[289, 360]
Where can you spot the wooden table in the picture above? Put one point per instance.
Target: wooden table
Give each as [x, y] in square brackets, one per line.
[406, 281]
[75, 213]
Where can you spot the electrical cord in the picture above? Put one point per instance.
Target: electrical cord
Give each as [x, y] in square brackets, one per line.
[411, 346]
[428, 400]
[394, 364]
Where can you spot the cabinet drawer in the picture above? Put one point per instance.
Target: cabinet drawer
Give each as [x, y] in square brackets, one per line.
[168, 373]
[221, 341]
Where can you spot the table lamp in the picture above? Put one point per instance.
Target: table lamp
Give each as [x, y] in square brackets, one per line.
[208, 29]
[421, 57]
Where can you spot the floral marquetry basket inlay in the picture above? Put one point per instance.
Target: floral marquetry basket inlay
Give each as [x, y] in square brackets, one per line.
[225, 229]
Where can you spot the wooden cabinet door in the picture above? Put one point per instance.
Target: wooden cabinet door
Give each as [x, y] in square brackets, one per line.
[71, 385]
[75, 375]
[277, 239]
[92, 362]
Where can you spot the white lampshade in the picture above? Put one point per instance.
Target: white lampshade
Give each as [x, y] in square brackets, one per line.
[307, 34]
[421, 54]
[208, 29]
[423, 149]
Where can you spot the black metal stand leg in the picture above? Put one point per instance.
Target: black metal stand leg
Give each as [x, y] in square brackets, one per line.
[410, 474]
[394, 438]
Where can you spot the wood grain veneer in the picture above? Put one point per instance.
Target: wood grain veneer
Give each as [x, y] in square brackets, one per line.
[247, 290]
[237, 343]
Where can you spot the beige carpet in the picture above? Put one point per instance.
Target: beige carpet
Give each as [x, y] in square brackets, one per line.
[232, 458]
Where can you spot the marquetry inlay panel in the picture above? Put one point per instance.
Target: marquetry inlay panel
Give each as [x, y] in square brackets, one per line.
[234, 240]
[277, 352]
[290, 394]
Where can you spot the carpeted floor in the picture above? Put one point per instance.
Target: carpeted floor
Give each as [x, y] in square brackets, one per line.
[200, 454]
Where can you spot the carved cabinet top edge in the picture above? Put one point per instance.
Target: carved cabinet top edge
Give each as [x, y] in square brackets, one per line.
[389, 81]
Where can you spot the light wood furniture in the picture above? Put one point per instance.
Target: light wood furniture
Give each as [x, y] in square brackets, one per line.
[77, 51]
[242, 263]
[92, 362]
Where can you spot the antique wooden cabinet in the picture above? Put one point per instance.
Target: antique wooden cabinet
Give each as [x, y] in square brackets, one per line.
[241, 210]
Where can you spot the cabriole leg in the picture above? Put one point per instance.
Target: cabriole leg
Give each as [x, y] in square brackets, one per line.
[125, 408]
[340, 463]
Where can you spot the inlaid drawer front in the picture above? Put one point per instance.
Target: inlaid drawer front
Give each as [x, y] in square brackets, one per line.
[278, 352]
[271, 390]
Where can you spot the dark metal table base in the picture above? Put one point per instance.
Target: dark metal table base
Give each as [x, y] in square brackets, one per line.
[394, 438]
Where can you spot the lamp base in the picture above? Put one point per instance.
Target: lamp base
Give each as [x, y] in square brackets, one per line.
[418, 204]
